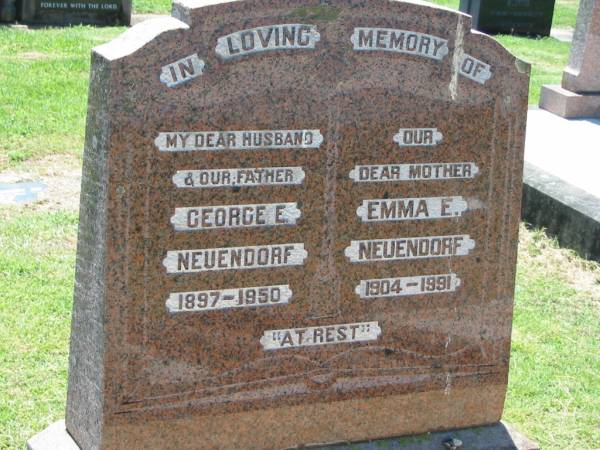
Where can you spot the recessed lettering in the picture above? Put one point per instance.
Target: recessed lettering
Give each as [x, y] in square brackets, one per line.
[399, 41]
[413, 172]
[258, 176]
[405, 286]
[409, 248]
[186, 141]
[249, 297]
[321, 335]
[182, 70]
[415, 137]
[235, 216]
[234, 258]
[292, 36]
[395, 209]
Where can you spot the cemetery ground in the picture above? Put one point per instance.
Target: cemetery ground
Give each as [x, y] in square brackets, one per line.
[44, 77]
[553, 394]
[554, 387]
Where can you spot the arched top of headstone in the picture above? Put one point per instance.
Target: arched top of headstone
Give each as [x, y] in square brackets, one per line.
[201, 24]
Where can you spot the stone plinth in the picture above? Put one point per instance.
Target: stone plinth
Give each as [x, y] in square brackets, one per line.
[490, 437]
[568, 104]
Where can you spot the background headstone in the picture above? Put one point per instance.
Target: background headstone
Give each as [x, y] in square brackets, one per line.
[298, 225]
[579, 93]
[8, 10]
[510, 16]
[71, 12]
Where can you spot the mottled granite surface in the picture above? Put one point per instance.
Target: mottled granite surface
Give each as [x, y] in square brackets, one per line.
[142, 377]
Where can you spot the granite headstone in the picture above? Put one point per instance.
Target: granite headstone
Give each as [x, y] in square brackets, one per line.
[73, 12]
[579, 94]
[532, 17]
[298, 225]
[8, 10]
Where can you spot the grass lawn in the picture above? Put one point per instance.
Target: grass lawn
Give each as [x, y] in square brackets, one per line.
[36, 285]
[554, 388]
[44, 80]
[565, 11]
[43, 89]
[152, 6]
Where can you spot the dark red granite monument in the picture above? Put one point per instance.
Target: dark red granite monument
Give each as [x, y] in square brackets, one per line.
[298, 225]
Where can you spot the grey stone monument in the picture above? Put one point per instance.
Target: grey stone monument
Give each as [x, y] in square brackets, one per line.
[529, 17]
[579, 94]
[7, 10]
[70, 12]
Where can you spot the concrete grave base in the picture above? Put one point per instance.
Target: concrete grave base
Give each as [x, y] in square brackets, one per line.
[561, 191]
[567, 104]
[498, 436]
[55, 437]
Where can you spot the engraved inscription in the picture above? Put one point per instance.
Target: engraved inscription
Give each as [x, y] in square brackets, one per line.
[182, 70]
[475, 69]
[409, 248]
[235, 258]
[291, 36]
[409, 172]
[185, 141]
[412, 137]
[399, 41]
[383, 210]
[249, 297]
[258, 176]
[235, 216]
[404, 286]
[321, 335]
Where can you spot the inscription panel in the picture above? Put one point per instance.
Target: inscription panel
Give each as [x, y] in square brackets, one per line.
[178, 141]
[235, 216]
[404, 286]
[255, 176]
[250, 297]
[274, 37]
[379, 210]
[333, 334]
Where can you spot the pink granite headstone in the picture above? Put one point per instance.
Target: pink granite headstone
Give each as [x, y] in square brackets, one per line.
[298, 225]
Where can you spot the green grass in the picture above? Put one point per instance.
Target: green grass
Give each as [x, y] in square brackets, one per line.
[554, 387]
[152, 6]
[547, 56]
[44, 80]
[43, 89]
[36, 284]
[565, 11]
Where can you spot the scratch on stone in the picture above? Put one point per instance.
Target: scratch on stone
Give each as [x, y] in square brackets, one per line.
[457, 58]
[448, 385]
